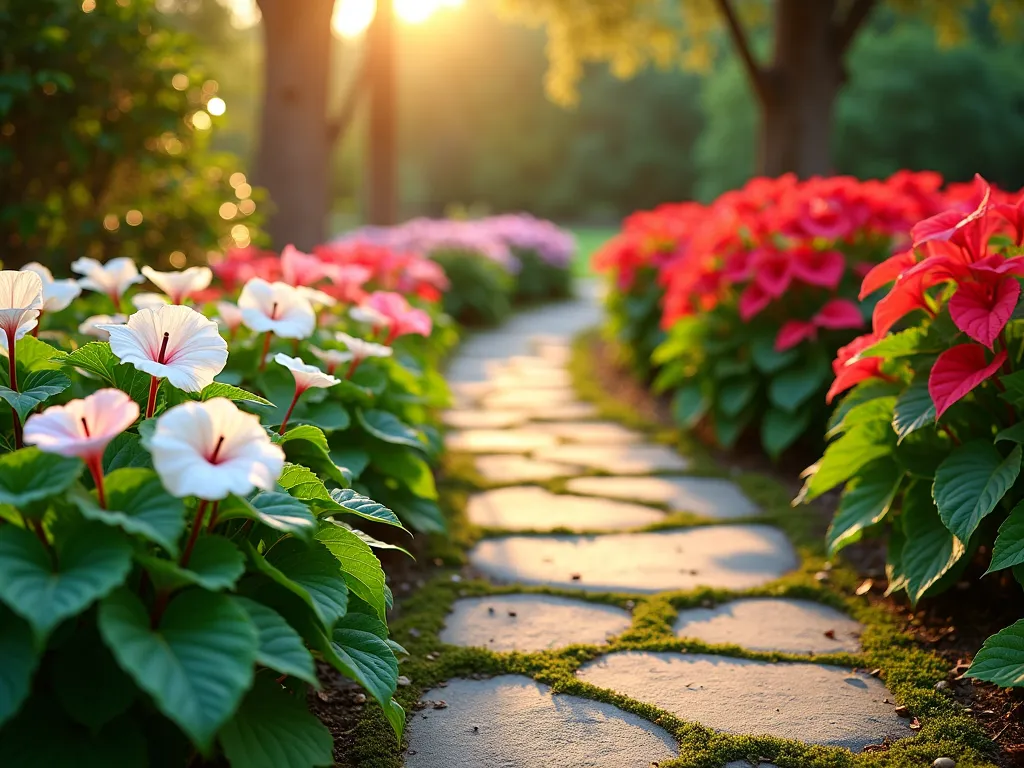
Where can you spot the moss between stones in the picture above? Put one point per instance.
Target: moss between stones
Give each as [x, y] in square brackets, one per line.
[909, 671]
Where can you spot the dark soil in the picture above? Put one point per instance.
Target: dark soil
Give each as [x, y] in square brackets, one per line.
[953, 625]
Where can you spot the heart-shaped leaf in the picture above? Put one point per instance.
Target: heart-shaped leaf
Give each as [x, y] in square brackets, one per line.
[1008, 550]
[360, 567]
[914, 409]
[389, 428]
[302, 483]
[970, 482]
[274, 729]
[196, 663]
[362, 655]
[307, 445]
[865, 503]
[275, 510]
[930, 550]
[126, 451]
[90, 563]
[280, 647]
[1001, 659]
[138, 504]
[38, 387]
[779, 429]
[357, 504]
[959, 370]
[218, 389]
[29, 475]
[309, 572]
[18, 660]
[215, 564]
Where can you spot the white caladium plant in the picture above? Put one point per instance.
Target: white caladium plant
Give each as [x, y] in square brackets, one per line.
[176, 549]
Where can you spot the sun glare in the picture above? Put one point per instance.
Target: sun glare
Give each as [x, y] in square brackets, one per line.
[352, 17]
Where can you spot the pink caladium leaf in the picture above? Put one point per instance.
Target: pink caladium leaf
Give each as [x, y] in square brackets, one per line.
[839, 314]
[753, 301]
[821, 268]
[794, 332]
[888, 271]
[981, 310]
[957, 371]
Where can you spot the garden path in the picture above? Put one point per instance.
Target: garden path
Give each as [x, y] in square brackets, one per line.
[574, 505]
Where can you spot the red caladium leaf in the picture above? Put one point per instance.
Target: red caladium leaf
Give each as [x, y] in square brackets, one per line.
[821, 268]
[886, 272]
[907, 295]
[839, 314]
[752, 301]
[793, 332]
[957, 371]
[981, 310]
[773, 271]
[997, 265]
[850, 369]
[1013, 213]
[946, 225]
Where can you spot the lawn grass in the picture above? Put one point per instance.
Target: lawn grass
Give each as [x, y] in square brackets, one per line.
[588, 240]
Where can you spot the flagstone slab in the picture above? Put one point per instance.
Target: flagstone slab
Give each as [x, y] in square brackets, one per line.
[706, 496]
[529, 399]
[812, 703]
[521, 440]
[469, 418]
[531, 623]
[529, 508]
[725, 556]
[618, 459]
[543, 379]
[511, 468]
[511, 721]
[773, 624]
[592, 433]
[465, 369]
[563, 412]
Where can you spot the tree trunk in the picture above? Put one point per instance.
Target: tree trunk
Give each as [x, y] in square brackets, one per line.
[800, 89]
[294, 156]
[382, 200]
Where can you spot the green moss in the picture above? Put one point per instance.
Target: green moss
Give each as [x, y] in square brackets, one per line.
[909, 671]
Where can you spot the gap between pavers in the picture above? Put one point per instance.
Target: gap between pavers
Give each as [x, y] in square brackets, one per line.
[530, 623]
[812, 703]
[511, 721]
[531, 508]
[722, 556]
[773, 624]
[706, 496]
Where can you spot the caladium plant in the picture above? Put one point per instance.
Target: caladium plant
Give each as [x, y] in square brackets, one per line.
[927, 442]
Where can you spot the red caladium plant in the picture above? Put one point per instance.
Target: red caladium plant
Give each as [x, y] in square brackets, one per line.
[927, 441]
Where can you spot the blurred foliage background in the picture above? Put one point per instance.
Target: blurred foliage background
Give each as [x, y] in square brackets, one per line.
[127, 127]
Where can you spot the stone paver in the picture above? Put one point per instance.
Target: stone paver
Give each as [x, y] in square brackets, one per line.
[519, 440]
[706, 496]
[529, 399]
[510, 468]
[808, 702]
[730, 557]
[531, 622]
[544, 378]
[591, 433]
[529, 508]
[770, 624]
[619, 460]
[563, 412]
[513, 722]
[469, 418]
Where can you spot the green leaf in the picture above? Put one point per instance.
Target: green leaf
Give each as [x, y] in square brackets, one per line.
[1001, 659]
[307, 445]
[793, 387]
[389, 428]
[423, 515]
[90, 563]
[96, 358]
[971, 482]
[376, 543]
[37, 388]
[215, 564]
[689, 405]
[729, 428]
[355, 460]
[18, 661]
[930, 549]
[735, 395]
[914, 410]
[309, 572]
[125, 451]
[879, 409]
[1014, 388]
[766, 358]
[138, 504]
[302, 483]
[364, 656]
[865, 502]
[280, 647]
[360, 505]
[87, 680]
[275, 510]
[196, 664]
[29, 475]
[396, 716]
[1008, 550]
[360, 567]
[217, 389]
[1014, 434]
[779, 429]
[35, 355]
[913, 341]
[845, 456]
[274, 729]
[866, 390]
[406, 466]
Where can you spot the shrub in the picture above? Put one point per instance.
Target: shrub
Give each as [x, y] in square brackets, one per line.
[481, 290]
[759, 290]
[173, 598]
[104, 139]
[927, 442]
